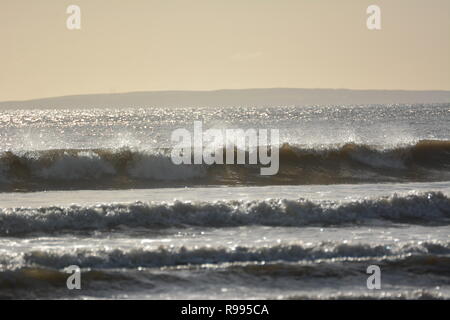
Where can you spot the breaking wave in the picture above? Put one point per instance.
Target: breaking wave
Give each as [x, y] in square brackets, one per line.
[423, 208]
[169, 256]
[126, 168]
[40, 273]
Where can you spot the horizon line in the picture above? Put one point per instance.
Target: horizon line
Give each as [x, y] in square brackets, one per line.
[215, 90]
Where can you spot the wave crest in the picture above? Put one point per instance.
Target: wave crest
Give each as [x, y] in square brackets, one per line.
[126, 168]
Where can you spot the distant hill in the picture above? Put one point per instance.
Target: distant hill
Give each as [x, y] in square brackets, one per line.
[226, 98]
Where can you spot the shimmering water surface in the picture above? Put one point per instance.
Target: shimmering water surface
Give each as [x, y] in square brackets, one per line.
[357, 186]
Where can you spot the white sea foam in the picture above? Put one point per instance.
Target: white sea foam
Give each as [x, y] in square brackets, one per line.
[424, 208]
[166, 256]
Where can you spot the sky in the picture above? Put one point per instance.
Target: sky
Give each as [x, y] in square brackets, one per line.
[149, 45]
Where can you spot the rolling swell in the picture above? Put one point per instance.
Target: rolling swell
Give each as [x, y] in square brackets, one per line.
[426, 160]
[431, 208]
[40, 273]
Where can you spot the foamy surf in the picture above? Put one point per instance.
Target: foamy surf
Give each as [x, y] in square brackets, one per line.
[170, 256]
[290, 266]
[423, 208]
[357, 186]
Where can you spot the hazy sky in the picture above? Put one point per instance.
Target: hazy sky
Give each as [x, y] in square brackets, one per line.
[141, 45]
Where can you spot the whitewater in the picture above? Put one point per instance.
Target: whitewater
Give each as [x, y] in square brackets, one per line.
[358, 185]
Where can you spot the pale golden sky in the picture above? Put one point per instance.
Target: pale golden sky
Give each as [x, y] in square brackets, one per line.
[142, 45]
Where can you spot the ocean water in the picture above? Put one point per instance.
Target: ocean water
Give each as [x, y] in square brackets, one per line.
[358, 186]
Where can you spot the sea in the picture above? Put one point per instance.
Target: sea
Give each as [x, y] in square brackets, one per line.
[357, 186]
